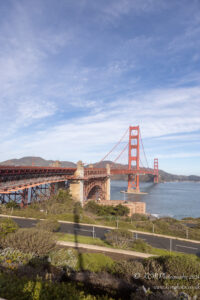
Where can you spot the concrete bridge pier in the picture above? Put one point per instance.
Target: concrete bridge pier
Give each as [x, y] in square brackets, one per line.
[108, 182]
[77, 185]
[85, 187]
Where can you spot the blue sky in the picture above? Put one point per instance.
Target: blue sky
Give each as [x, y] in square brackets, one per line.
[75, 74]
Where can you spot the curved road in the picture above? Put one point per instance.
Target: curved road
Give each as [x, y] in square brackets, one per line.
[99, 232]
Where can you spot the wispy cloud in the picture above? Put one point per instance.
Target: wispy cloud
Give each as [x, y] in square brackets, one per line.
[75, 76]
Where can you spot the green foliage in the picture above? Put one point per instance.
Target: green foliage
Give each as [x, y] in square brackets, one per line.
[70, 258]
[7, 225]
[180, 270]
[64, 197]
[92, 207]
[64, 258]
[95, 262]
[139, 217]
[179, 265]
[16, 288]
[106, 210]
[141, 246]
[11, 258]
[68, 237]
[12, 204]
[62, 202]
[120, 238]
[48, 225]
[30, 212]
[127, 269]
[31, 240]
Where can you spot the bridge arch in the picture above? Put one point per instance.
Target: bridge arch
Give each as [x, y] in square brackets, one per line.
[94, 190]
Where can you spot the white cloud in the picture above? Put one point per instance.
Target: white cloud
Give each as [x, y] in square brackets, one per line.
[30, 110]
[92, 136]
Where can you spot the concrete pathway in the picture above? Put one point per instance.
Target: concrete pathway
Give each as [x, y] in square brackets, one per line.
[105, 249]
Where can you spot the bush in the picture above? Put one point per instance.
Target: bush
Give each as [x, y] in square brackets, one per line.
[95, 262]
[11, 258]
[106, 210]
[180, 265]
[121, 238]
[180, 270]
[139, 217]
[64, 258]
[7, 225]
[128, 269]
[34, 241]
[92, 207]
[48, 225]
[13, 287]
[141, 246]
[62, 202]
[12, 204]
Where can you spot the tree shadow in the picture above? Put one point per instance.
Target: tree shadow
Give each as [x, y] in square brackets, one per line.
[77, 228]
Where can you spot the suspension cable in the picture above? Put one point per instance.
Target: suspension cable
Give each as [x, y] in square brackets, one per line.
[143, 150]
[115, 145]
[120, 154]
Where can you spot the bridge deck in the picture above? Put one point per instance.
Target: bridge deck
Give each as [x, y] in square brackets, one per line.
[13, 178]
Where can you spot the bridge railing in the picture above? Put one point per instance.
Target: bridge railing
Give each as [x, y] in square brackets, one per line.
[8, 173]
[132, 171]
[95, 171]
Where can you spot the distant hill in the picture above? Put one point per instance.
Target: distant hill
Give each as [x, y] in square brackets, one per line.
[164, 176]
[39, 161]
[35, 161]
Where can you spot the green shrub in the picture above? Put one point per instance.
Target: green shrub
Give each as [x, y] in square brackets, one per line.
[7, 225]
[120, 238]
[60, 203]
[48, 225]
[70, 258]
[10, 257]
[128, 269]
[106, 210]
[92, 207]
[180, 265]
[181, 270]
[15, 288]
[121, 210]
[139, 217]
[64, 258]
[141, 246]
[12, 204]
[95, 262]
[31, 240]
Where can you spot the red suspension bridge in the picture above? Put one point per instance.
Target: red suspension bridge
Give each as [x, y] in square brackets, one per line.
[25, 184]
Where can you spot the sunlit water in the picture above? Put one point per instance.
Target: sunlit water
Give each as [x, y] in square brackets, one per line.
[174, 199]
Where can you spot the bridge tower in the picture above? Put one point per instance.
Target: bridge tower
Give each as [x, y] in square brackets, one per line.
[156, 170]
[134, 158]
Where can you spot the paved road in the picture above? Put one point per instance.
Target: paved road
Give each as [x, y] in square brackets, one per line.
[99, 232]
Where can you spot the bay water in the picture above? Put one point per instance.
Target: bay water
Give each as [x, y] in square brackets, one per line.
[174, 199]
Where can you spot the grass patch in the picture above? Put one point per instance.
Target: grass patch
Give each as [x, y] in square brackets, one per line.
[95, 262]
[138, 247]
[67, 237]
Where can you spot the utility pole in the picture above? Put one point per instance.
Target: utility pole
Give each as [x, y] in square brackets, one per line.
[170, 245]
[117, 223]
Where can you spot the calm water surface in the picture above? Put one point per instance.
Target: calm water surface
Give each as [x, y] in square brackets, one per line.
[174, 199]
